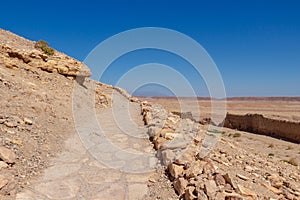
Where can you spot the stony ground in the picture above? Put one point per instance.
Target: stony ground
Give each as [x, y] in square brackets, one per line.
[208, 162]
[101, 171]
[34, 122]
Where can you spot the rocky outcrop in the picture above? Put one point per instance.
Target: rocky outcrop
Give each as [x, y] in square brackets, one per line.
[256, 123]
[16, 54]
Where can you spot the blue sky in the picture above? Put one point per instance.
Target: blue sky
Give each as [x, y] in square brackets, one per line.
[255, 44]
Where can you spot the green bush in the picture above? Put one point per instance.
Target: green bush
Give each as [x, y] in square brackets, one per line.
[271, 154]
[44, 46]
[216, 131]
[237, 135]
[40, 44]
[48, 51]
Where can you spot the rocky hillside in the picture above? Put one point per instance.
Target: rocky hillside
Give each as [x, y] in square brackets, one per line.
[36, 108]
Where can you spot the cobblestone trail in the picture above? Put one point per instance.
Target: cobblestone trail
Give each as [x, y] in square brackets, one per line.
[114, 160]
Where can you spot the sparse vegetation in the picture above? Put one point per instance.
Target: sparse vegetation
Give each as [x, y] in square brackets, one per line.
[216, 131]
[44, 46]
[292, 161]
[237, 135]
[271, 154]
[271, 145]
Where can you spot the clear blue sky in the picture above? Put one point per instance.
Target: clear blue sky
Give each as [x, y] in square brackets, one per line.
[255, 44]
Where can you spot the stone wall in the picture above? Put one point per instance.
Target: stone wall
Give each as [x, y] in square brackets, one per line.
[259, 124]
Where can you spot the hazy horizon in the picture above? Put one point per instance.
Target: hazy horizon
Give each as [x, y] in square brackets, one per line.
[152, 92]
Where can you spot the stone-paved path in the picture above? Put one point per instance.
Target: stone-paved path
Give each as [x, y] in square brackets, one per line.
[109, 160]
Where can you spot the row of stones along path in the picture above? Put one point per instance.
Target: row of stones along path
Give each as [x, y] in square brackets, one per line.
[115, 162]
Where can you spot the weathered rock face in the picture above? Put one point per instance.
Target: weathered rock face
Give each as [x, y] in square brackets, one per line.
[16, 51]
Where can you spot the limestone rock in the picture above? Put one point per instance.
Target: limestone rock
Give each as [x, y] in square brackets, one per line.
[295, 176]
[202, 195]
[229, 180]
[167, 157]
[3, 165]
[170, 136]
[178, 142]
[228, 188]
[220, 195]
[275, 180]
[175, 170]
[180, 185]
[32, 57]
[248, 168]
[242, 177]
[245, 191]
[159, 142]
[3, 181]
[195, 169]
[219, 179]
[288, 195]
[11, 124]
[271, 188]
[28, 121]
[7, 155]
[188, 195]
[188, 157]
[210, 188]
[209, 169]
[152, 131]
[147, 118]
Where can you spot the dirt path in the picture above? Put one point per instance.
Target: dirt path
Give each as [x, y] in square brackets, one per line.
[115, 166]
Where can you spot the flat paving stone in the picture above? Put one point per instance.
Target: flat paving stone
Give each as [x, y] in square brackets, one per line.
[137, 191]
[114, 162]
[59, 189]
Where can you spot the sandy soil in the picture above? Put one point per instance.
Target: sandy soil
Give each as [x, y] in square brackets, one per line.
[278, 108]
